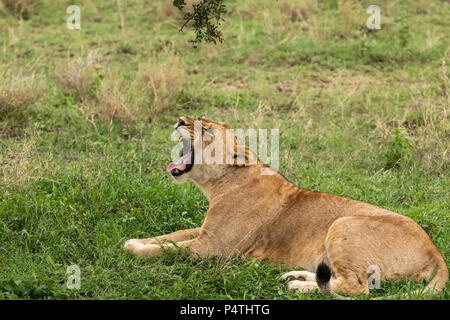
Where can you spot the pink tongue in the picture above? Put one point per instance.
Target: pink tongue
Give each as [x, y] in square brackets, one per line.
[180, 164]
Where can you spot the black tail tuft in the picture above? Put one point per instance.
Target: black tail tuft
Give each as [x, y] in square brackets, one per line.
[323, 273]
[323, 276]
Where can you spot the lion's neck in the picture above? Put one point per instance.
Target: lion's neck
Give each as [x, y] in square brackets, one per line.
[214, 186]
[235, 179]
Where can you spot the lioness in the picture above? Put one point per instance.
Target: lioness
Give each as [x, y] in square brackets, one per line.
[266, 216]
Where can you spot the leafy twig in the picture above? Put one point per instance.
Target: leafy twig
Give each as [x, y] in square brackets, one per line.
[206, 17]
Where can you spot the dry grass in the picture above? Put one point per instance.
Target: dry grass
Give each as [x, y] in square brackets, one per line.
[277, 15]
[79, 74]
[22, 163]
[429, 125]
[296, 11]
[21, 8]
[15, 160]
[20, 90]
[283, 11]
[164, 9]
[156, 86]
[161, 80]
[114, 104]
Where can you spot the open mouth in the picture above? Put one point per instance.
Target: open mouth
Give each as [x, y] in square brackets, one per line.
[183, 164]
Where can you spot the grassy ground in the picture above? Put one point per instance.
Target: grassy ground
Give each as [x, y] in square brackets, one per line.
[85, 119]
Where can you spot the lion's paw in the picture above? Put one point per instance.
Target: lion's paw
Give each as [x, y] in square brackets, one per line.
[300, 276]
[133, 245]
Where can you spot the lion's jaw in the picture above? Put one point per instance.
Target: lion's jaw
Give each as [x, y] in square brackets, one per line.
[195, 161]
[199, 163]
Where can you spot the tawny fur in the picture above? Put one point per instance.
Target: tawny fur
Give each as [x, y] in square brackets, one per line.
[268, 217]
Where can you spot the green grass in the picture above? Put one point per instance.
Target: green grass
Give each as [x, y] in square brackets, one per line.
[361, 114]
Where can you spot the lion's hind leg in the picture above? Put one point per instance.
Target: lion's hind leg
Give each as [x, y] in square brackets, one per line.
[302, 286]
[394, 245]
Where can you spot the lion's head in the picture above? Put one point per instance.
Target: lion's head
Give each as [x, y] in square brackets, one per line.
[209, 150]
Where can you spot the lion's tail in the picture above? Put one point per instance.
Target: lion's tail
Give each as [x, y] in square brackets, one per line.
[323, 276]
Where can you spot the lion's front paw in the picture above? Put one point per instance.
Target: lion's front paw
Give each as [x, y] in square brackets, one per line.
[136, 247]
[133, 245]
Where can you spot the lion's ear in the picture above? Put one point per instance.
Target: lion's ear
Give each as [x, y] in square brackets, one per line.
[209, 132]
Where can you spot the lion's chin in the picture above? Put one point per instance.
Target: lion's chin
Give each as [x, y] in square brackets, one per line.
[180, 178]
